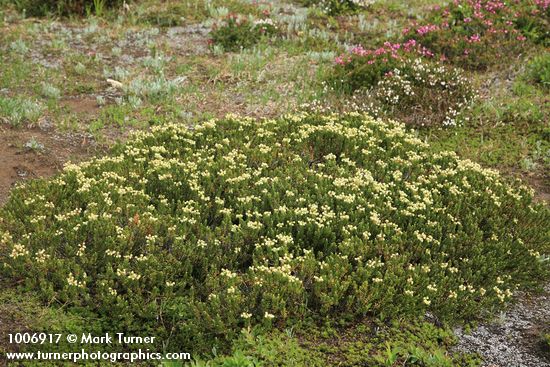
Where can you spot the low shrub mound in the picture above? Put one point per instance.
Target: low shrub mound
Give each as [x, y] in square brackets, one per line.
[476, 34]
[364, 68]
[337, 7]
[403, 82]
[235, 32]
[421, 93]
[191, 234]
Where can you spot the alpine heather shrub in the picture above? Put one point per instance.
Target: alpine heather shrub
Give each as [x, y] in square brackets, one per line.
[191, 234]
[337, 7]
[403, 82]
[362, 68]
[419, 93]
[476, 34]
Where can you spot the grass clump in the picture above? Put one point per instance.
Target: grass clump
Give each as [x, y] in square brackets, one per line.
[16, 111]
[191, 234]
[41, 8]
[169, 14]
[19, 46]
[153, 89]
[50, 91]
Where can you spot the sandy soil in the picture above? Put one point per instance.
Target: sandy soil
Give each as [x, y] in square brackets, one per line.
[20, 159]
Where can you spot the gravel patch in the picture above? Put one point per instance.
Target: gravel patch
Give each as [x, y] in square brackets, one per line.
[514, 340]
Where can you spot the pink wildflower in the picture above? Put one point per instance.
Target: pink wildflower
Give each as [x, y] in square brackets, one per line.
[475, 38]
[340, 60]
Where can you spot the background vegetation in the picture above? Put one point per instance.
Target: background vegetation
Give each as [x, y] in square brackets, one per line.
[154, 230]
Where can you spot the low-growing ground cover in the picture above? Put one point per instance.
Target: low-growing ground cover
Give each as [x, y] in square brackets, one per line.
[238, 223]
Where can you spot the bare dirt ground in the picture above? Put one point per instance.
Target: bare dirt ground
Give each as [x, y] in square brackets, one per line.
[34, 153]
[541, 185]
